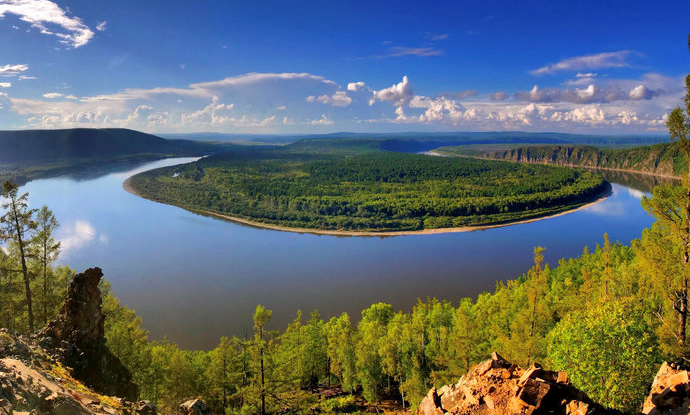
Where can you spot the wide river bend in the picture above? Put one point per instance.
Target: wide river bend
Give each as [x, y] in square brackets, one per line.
[194, 278]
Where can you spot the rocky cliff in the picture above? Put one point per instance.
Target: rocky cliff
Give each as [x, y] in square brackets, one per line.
[660, 159]
[66, 368]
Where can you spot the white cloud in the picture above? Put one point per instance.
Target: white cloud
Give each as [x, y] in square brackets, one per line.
[23, 77]
[357, 86]
[339, 99]
[400, 93]
[322, 121]
[589, 94]
[642, 92]
[599, 60]
[5, 84]
[276, 103]
[12, 70]
[586, 75]
[53, 95]
[101, 26]
[49, 19]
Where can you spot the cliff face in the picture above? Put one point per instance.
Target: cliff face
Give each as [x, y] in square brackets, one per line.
[78, 332]
[67, 368]
[661, 159]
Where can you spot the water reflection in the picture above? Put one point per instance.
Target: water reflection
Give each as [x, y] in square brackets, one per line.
[194, 278]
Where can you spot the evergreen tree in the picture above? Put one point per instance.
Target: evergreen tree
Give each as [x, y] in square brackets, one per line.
[17, 223]
[45, 251]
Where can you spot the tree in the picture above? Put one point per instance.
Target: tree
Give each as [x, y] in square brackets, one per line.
[341, 338]
[46, 250]
[609, 351]
[17, 223]
[372, 328]
[671, 206]
[261, 318]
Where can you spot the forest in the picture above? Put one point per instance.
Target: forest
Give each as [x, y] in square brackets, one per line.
[348, 185]
[614, 300]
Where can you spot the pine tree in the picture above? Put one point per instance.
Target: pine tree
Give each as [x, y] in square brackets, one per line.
[17, 223]
[45, 251]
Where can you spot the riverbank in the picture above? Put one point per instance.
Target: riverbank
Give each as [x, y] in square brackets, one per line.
[126, 185]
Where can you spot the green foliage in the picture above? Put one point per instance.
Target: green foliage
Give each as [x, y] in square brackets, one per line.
[367, 191]
[340, 405]
[610, 352]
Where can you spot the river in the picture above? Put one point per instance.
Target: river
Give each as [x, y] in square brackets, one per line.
[194, 278]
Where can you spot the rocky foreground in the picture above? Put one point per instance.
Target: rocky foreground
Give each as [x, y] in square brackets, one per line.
[499, 387]
[67, 369]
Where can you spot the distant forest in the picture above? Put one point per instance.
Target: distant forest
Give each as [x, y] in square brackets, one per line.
[350, 185]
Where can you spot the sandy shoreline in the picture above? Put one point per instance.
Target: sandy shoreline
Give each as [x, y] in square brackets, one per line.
[604, 195]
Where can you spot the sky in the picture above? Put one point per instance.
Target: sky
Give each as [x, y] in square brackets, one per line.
[599, 67]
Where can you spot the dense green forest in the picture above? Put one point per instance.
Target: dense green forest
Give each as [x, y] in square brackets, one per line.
[349, 185]
[614, 300]
[662, 159]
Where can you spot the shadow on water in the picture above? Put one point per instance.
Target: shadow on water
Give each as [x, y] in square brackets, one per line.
[642, 182]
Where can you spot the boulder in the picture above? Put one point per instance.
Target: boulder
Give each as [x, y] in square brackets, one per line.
[670, 394]
[496, 386]
[145, 408]
[194, 407]
[79, 331]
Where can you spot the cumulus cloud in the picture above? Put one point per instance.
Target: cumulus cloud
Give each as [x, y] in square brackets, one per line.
[276, 102]
[322, 121]
[499, 96]
[49, 19]
[400, 93]
[599, 60]
[12, 70]
[642, 92]
[589, 94]
[101, 26]
[339, 99]
[53, 95]
[5, 84]
[357, 86]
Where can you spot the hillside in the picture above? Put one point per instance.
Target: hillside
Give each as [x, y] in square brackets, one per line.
[660, 159]
[34, 146]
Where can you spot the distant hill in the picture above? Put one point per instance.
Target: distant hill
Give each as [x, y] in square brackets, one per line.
[422, 141]
[36, 146]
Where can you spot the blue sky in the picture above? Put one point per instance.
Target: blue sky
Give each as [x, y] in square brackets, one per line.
[313, 67]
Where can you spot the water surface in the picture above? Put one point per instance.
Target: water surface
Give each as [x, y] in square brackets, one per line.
[194, 278]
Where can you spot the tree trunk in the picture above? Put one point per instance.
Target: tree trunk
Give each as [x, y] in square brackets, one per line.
[683, 308]
[25, 271]
[45, 282]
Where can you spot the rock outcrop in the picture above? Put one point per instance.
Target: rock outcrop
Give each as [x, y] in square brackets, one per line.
[66, 369]
[499, 387]
[79, 335]
[670, 394]
[194, 407]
